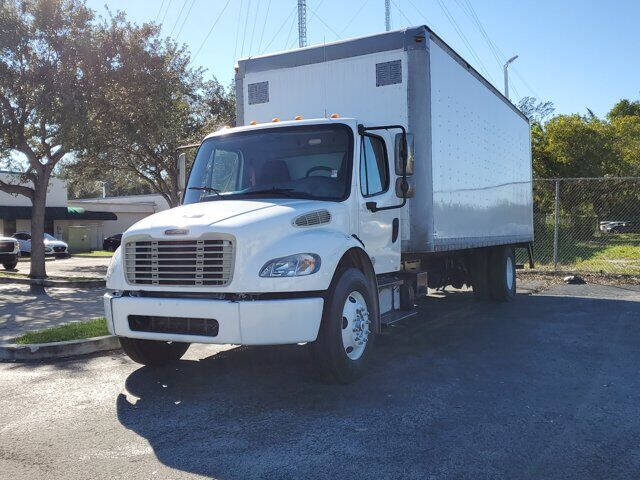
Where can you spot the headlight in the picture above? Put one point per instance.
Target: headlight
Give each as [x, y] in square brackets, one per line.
[291, 266]
[112, 264]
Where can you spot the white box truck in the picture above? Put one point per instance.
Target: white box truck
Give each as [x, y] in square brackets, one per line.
[360, 173]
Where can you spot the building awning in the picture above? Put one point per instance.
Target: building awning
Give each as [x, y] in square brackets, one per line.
[55, 213]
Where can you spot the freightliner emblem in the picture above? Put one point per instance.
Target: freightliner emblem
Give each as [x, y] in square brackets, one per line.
[176, 231]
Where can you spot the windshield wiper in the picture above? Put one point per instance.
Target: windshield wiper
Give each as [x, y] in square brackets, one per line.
[287, 192]
[206, 189]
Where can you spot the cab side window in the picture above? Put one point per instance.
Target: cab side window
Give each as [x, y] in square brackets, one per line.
[374, 166]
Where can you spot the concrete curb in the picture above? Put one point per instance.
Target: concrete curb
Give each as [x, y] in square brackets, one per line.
[11, 352]
[54, 283]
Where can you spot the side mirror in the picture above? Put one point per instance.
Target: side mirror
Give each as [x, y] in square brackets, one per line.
[182, 171]
[404, 189]
[404, 153]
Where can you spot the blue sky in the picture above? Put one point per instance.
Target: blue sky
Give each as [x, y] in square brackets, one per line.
[577, 54]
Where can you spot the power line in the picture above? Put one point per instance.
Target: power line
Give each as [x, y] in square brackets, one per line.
[244, 32]
[460, 33]
[185, 19]
[165, 12]
[264, 25]
[401, 12]
[464, 38]
[253, 30]
[175, 24]
[495, 50]
[211, 29]
[325, 23]
[159, 10]
[280, 28]
[286, 42]
[354, 16]
[235, 49]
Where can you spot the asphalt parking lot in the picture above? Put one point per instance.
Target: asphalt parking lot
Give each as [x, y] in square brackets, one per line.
[544, 387]
[74, 266]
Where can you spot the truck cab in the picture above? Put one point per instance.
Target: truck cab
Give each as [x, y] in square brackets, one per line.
[281, 223]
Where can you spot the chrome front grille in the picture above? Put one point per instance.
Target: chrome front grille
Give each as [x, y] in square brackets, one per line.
[179, 262]
[7, 247]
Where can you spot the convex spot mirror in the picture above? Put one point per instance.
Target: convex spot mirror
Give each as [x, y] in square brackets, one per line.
[406, 190]
[399, 154]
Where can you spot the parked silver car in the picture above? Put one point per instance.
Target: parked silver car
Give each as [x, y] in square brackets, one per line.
[52, 246]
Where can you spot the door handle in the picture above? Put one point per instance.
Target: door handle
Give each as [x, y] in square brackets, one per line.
[395, 230]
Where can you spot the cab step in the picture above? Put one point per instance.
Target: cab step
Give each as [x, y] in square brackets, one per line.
[396, 315]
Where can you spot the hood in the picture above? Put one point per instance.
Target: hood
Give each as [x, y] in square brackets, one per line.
[196, 217]
[54, 243]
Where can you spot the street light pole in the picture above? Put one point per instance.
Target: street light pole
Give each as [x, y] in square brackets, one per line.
[506, 75]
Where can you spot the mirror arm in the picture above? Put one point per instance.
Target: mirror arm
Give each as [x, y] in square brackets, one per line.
[373, 206]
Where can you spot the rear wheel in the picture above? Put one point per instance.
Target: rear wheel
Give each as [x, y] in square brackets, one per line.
[153, 352]
[502, 273]
[344, 342]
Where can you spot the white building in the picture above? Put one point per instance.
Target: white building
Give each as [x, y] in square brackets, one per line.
[63, 221]
[129, 209]
[87, 219]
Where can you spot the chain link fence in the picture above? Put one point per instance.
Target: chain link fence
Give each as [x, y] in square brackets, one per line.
[587, 225]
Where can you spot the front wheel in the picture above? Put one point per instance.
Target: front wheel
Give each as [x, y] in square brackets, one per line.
[153, 352]
[10, 265]
[345, 341]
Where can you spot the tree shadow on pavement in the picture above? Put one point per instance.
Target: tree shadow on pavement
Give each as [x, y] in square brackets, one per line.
[541, 387]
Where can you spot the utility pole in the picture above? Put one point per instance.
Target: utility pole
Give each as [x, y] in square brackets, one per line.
[506, 76]
[302, 23]
[387, 14]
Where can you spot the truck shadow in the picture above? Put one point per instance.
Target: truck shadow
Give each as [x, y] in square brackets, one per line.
[461, 375]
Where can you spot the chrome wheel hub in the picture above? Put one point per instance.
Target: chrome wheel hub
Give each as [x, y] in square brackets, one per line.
[355, 325]
[509, 267]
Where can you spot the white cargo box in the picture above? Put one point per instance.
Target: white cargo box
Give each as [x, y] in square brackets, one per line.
[472, 149]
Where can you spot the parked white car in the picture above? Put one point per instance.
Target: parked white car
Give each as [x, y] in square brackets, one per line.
[9, 252]
[52, 246]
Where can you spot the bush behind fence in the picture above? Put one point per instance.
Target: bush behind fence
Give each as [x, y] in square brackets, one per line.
[587, 225]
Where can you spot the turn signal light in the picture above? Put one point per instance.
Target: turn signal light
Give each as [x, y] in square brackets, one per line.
[253, 122]
[298, 117]
[335, 115]
[275, 119]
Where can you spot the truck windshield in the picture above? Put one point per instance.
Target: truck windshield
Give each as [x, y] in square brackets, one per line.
[301, 162]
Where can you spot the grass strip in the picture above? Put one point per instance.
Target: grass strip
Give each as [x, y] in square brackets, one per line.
[70, 331]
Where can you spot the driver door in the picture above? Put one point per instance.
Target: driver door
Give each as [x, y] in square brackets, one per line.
[378, 230]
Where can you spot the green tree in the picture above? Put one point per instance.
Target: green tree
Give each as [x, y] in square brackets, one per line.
[153, 102]
[536, 110]
[577, 148]
[46, 55]
[624, 108]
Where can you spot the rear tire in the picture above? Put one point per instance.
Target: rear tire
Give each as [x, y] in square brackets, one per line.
[502, 273]
[153, 352]
[344, 344]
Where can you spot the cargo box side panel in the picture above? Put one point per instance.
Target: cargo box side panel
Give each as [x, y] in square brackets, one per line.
[481, 161]
[371, 88]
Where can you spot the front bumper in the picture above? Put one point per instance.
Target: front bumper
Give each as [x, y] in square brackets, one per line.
[9, 257]
[250, 322]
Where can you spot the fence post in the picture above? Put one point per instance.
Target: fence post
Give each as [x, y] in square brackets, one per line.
[555, 226]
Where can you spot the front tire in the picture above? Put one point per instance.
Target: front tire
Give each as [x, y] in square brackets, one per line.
[344, 344]
[10, 265]
[153, 352]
